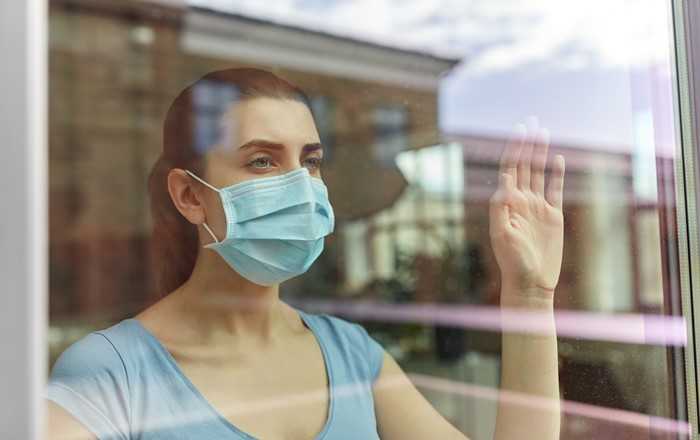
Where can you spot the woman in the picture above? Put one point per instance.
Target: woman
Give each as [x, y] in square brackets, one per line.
[239, 207]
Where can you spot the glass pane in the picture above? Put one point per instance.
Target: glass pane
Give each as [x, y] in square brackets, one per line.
[413, 102]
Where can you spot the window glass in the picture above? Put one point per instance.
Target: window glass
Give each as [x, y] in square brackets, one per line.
[414, 102]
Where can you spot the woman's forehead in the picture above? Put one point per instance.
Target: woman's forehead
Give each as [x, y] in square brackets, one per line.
[268, 109]
[275, 120]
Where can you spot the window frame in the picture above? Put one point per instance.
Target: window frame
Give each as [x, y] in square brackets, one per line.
[686, 20]
[23, 254]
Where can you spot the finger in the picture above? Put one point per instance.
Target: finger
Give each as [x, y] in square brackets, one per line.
[539, 161]
[524, 162]
[511, 154]
[498, 207]
[556, 182]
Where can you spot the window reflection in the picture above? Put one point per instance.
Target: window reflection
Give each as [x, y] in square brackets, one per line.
[324, 108]
[410, 182]
[391, 133]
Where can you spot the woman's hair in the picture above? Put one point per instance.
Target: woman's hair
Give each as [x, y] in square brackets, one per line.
[193, 125]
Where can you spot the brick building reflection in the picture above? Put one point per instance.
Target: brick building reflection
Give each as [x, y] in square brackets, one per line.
[115, 67]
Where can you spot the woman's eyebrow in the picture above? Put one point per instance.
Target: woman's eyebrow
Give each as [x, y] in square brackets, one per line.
[312, 147]
[261, 143]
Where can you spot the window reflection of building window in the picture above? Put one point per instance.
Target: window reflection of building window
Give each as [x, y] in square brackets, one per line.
[426, 221]
[210, 97]
[391, 133]
[323, 109]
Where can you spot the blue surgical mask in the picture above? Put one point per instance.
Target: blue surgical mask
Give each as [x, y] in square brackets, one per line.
[274, 225]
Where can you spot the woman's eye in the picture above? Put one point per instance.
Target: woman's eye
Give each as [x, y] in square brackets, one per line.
[260, 162]
[312, 162]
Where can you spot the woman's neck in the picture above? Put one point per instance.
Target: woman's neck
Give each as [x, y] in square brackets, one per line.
[218, 304]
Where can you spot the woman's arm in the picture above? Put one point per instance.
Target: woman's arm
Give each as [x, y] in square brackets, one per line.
[403, 413]
[61, 425]
[528, 407]
[527, 233]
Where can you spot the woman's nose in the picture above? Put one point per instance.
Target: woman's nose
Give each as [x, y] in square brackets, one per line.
[292, 165]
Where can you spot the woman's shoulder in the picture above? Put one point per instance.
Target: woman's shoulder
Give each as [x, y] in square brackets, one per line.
[90, 380]
[98, 350]
[107, 363]
[347, 341]
[333, 325]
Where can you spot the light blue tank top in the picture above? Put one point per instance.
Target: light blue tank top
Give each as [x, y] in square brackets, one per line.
[121, 383]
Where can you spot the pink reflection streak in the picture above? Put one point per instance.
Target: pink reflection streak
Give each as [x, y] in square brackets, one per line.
[630, 328]
[570, 408]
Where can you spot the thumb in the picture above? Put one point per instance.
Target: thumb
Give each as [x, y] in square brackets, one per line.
[498, 205]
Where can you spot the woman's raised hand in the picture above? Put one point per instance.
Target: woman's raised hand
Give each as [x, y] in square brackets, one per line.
[526, 221]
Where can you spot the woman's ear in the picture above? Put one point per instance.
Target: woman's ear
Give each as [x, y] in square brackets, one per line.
[186, 195]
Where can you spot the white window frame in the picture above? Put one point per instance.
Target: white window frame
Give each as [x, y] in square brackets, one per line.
[23, 222]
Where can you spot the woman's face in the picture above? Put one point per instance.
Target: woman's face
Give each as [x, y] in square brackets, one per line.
[261, 138]
[264, 137]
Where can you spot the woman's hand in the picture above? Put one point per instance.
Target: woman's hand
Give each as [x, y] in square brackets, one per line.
[526, 221]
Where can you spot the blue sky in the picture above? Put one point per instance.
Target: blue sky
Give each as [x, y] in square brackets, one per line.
[570, 63]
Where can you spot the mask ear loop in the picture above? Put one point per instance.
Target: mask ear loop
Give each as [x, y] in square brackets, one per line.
[210, 232]
[215, 189]
[201, 180]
